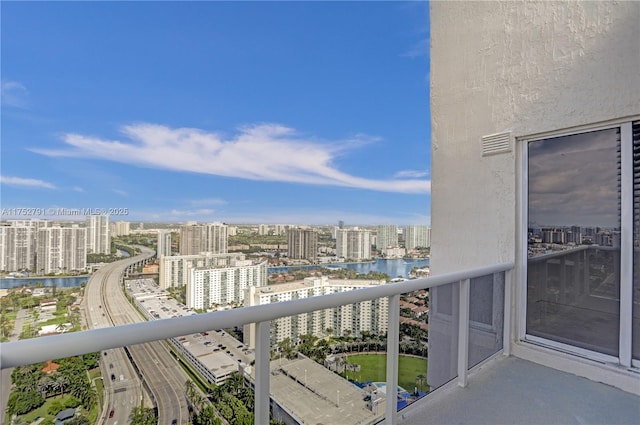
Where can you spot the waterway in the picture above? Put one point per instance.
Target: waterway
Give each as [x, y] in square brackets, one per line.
[59, 282]
[394, 268]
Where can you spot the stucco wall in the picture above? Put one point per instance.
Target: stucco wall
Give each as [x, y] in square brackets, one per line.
[524, 67]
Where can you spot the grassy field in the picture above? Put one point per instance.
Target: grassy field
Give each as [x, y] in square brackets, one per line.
[373, 367]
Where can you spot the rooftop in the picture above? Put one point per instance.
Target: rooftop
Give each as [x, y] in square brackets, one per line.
[316, 395]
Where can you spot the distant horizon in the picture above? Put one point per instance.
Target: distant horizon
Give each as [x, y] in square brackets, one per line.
[111, 220]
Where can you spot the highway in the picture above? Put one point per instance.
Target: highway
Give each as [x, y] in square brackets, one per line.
[123, 388]
[162, 374]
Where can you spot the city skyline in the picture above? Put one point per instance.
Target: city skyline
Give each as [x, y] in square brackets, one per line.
[240, 113]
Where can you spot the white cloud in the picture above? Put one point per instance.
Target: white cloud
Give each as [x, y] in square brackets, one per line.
[267, 152]
[120, 192]
[78, 189]
[14, 94]
[416, 174]
[19, 181]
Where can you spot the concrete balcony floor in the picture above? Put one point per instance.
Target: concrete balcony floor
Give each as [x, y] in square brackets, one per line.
[514, 391]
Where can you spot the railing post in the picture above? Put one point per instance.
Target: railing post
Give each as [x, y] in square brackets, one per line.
[263, 355]
[463, 333]
[506, 330]
[393, 339]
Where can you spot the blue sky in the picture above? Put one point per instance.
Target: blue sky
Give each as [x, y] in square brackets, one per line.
[266, 112]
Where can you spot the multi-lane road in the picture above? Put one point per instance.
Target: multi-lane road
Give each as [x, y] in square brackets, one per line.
[107, 305]
[123, 388]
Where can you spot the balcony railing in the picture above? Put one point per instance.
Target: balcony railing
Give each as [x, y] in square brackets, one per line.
[31, 351]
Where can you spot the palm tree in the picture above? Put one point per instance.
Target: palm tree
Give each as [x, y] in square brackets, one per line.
[189, 389]
[61, 382]
[234, 382]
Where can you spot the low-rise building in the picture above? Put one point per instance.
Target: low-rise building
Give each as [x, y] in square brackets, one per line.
[224, 285]
[352, 319]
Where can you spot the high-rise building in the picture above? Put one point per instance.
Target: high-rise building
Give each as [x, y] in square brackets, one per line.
[417, 237]
[263, 229]
[121, 228]
[575, 235]
[61, 249]
[98, 234]
[386, 236]
[352, 319]
[225, 285]
[174, 270]
[164, 243]
[17, 248]
[302, 244]
[197, 238]
[281, 229]
[18, 244]
[352, 244]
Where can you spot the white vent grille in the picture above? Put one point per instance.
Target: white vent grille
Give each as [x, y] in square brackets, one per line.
[496, 143]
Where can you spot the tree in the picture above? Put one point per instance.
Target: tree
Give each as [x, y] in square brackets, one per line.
[189, 389]
[21, 402]
[141, 415]
[60, 383]
[207, 417]
[233, 383]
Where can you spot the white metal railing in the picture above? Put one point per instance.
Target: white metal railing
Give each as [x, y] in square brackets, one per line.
[37, 350]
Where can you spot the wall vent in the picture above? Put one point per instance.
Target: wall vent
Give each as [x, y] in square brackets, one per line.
[494, 144]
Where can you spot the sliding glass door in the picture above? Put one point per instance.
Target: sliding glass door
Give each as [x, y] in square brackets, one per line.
[582, 294]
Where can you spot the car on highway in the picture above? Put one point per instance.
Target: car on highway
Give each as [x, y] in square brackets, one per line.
[112, 413]
[113, 377]
[174, 422]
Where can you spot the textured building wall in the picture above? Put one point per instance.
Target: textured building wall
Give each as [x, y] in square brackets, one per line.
[524, 67]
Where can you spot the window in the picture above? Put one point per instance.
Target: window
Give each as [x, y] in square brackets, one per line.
[581, 294]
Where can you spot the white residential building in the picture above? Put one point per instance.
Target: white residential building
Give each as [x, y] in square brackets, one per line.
[281, 229]
[393, 252]
[352, 319]
[98, 234]
[353, 244]
[61, 249]
[121, 228]
[417, 237]
[386, 236]
[17, 248]
[175, 270]
[18, 244]
[221, 286]
[163, 243]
